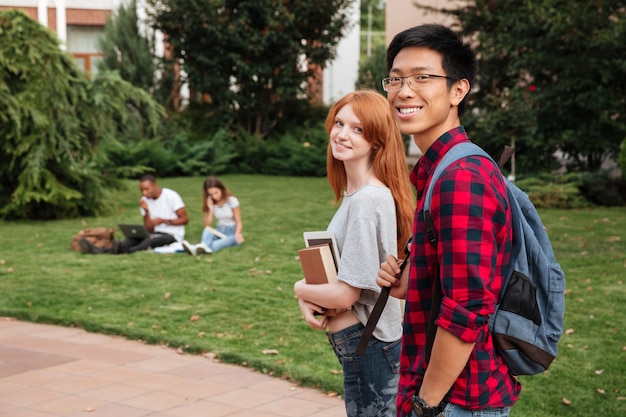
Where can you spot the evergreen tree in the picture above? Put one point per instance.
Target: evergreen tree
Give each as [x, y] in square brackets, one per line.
[127, 50]
[373, 69]
[52, 121]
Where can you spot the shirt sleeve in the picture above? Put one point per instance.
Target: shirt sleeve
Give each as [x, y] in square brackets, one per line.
[233, 202]
[175, 200]
[359, 257]
[370, 237]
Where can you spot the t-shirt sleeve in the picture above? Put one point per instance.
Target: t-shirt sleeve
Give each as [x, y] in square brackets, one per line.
[370, 236]
[233, 202]
[359, 262]
[176, 201]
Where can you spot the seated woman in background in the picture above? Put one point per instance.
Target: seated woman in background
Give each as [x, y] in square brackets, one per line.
[219, 203]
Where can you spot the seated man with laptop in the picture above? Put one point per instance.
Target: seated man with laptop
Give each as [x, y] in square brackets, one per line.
[164, 220]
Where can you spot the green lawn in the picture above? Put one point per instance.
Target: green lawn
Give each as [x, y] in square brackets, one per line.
[242, 302]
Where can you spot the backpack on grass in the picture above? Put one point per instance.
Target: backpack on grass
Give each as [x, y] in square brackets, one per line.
[528, 321]
[102, 237]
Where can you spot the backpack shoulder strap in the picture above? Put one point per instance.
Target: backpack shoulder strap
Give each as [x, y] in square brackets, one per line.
[457, 152]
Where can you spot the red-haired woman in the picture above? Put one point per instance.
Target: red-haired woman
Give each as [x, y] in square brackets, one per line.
[367, 170]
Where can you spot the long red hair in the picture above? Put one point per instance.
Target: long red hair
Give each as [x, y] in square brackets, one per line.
[388, 156]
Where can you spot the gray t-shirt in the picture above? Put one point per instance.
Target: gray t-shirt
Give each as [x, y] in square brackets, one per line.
[366, 232]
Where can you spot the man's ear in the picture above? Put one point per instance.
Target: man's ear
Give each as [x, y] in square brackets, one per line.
[458, 91]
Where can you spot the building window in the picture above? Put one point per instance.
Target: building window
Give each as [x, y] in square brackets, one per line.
[82, 43]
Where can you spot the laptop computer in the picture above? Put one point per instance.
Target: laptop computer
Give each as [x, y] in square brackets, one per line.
[134, 231]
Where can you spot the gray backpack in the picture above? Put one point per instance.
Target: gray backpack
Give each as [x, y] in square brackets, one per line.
[528, 320]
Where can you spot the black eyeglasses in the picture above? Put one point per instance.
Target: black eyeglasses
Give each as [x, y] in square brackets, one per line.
[415, 81]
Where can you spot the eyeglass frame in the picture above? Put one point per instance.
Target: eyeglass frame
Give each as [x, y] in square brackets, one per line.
[429, 76]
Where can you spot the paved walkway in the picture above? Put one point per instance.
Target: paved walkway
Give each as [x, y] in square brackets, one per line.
[50, 371]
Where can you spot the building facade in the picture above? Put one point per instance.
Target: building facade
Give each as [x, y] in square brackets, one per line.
[402, 14]
[80, 23]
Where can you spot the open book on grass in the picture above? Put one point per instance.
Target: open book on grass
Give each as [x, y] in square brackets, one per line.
[215, 232]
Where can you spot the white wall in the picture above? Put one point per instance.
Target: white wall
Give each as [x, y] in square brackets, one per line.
[341, 74]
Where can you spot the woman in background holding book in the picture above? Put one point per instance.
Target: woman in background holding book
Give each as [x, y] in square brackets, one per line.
[367, 170]
[219, 203]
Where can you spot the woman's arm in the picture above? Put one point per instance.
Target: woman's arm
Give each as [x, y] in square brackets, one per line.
[313, 299]
[208, 215]
[239, 225]
[332, 295]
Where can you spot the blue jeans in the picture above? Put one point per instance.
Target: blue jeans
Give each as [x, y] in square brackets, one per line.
[215, 243]
[453, 410]
[370, 382]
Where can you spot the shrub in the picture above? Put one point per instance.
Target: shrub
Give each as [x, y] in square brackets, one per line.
[172, 153]
[296, 147]
[300, 153]
[549, 191]
[373, 69]
[603, 189]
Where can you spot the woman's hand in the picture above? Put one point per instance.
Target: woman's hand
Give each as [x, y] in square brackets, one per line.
[312, 315]
[239, 238]
[309, 310]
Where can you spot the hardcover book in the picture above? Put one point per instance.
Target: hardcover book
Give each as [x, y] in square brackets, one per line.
[323, 238]
[320, 261]
[318, 265]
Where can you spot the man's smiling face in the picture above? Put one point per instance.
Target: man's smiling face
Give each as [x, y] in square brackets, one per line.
[424, 110]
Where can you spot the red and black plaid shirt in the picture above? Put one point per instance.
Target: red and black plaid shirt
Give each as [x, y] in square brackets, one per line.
[470, 214]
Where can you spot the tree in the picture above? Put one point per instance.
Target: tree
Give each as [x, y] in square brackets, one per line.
[52, 121]
[126, 49]
[129, 49]
[377, 16]
[372, 27]
[373, 69]
[250, 60]
[551, 77]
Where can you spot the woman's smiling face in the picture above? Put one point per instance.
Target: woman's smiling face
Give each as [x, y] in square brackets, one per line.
[346, 136]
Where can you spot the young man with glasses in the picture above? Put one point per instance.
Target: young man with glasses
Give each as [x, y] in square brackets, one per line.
[456, 370]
